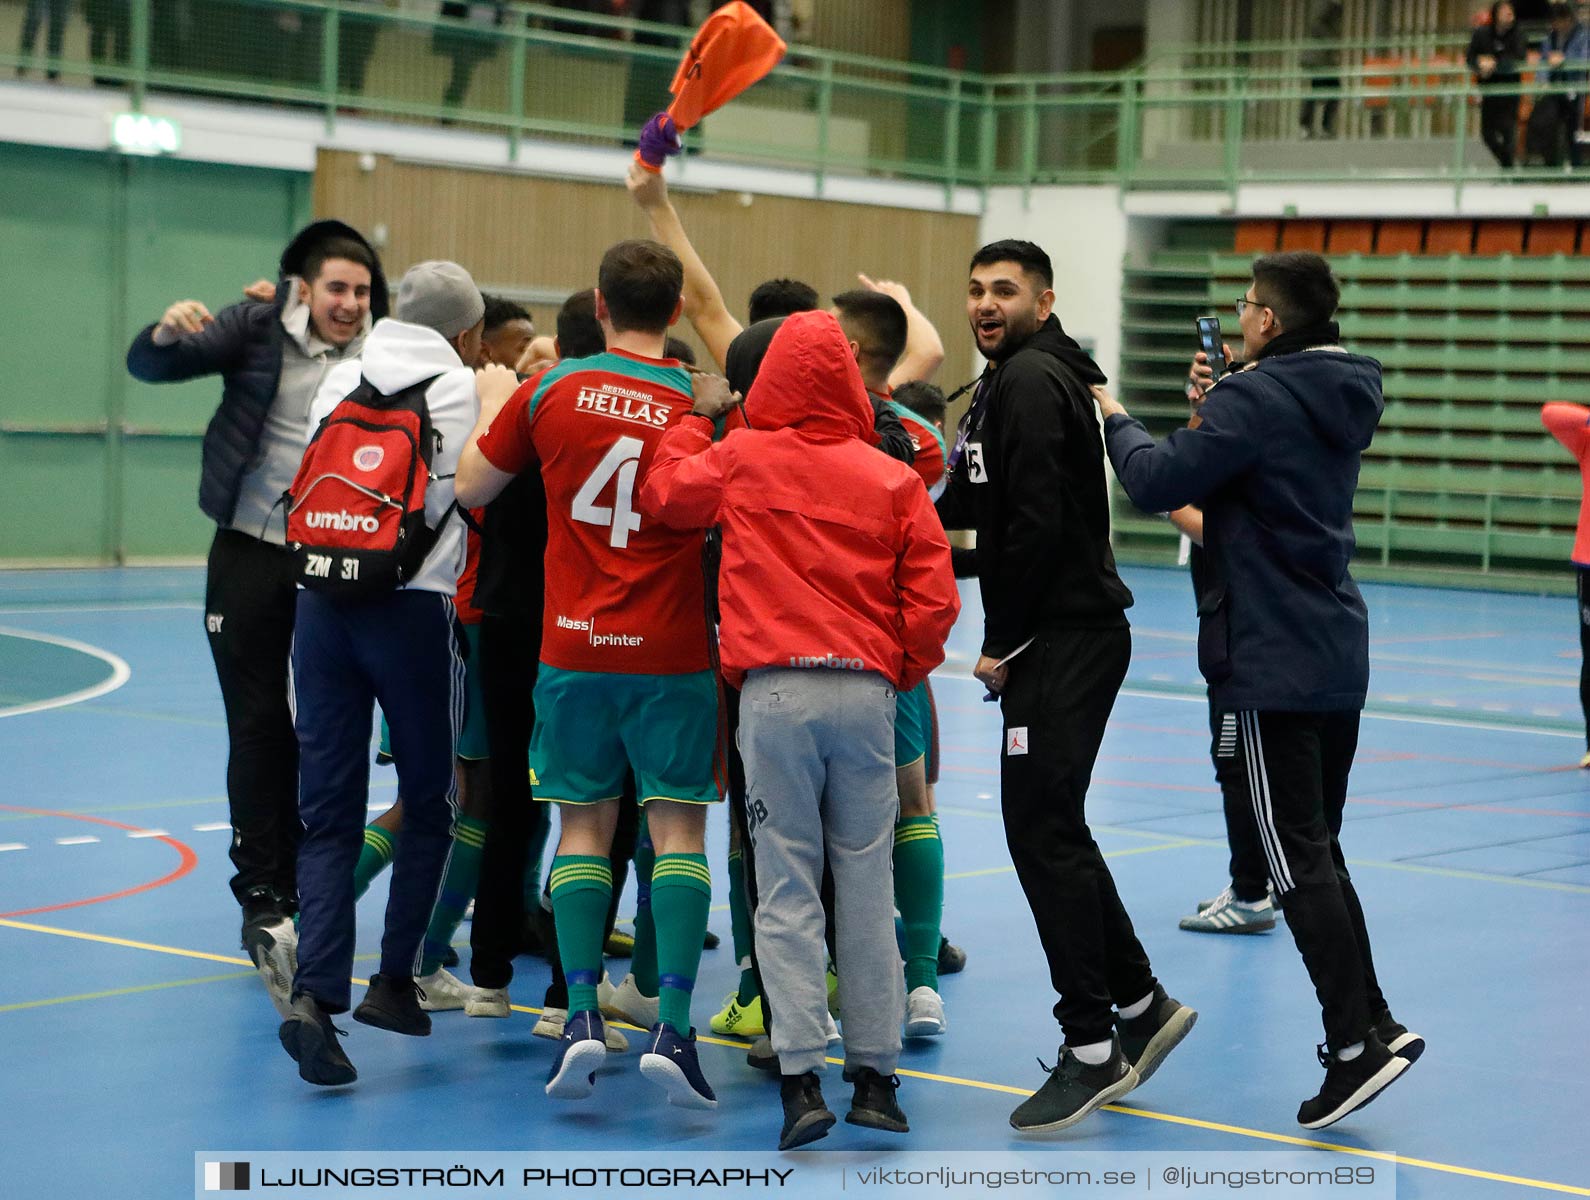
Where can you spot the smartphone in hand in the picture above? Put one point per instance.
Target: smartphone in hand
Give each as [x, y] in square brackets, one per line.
[1209, 342]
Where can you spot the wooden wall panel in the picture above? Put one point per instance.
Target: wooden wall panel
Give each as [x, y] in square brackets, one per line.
[536, 233]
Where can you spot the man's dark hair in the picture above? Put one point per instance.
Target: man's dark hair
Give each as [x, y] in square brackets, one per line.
[499, 311]
[780, 298]
[878, 324]
[1562, 11]
[1029, 257]
[337, 247]
[680, 349]
[1298, 286]
[640, 282]
[922, 398]
[579, 332]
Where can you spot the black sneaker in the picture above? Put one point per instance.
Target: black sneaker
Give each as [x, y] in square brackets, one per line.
[450, 959]
[1350, 1085]
[874, 1104]
[310, 1039]
[1398, 1039]
[806, 1117]
[762, 1056]
[952, 959]
[710, 941]
[393, 1003]
[1073, 1090]
[1147, 1039]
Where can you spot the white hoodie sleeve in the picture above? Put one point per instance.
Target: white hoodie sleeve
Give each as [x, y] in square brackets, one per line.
[454, 407]
[334, 387]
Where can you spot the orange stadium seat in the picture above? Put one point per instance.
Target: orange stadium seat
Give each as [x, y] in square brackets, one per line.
[1350, 237]
[1400, 237]
[1303, 235]
[1257, 237]
[1499, 237]
[1449, 237]
[1552, 237]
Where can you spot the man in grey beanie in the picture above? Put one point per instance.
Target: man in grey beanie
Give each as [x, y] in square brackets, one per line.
[396, 648]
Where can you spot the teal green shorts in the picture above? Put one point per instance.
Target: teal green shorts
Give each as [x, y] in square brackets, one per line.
[913, 725]
[472, 744]
[593, 727]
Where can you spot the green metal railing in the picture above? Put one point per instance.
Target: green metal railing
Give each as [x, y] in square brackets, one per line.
[1199, 117]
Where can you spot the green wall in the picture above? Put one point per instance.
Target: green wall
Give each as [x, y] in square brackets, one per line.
[98, 466]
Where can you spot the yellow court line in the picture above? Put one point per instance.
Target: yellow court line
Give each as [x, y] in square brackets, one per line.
[126, 991]
[957, 1081]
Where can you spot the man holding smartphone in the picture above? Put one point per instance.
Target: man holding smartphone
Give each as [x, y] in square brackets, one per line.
[1283, 631]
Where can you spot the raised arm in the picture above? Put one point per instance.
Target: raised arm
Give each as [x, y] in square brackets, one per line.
[188, 342]
[924, 350]
[704, 305]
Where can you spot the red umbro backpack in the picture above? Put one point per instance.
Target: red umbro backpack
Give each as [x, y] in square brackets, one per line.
[356, 509]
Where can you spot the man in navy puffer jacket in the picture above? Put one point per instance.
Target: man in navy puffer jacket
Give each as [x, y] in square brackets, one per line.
[1283, 640]
[271, 357]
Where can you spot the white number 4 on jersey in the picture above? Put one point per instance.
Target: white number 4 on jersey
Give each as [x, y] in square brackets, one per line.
[620, 464]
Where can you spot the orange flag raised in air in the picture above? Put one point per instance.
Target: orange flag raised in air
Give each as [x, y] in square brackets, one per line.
[732, 50]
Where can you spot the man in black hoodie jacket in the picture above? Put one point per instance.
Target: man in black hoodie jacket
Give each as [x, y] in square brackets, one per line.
[271, 357]
[1283, 635]
[1027, 472]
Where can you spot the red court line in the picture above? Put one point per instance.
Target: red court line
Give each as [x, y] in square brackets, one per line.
[188, 857]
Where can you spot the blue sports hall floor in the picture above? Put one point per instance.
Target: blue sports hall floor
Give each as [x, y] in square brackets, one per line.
[134, 1033]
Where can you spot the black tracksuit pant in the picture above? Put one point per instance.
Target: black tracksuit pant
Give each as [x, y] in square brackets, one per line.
[1296, 765]
[250, 598]
[1057, 699]
[1250, 875]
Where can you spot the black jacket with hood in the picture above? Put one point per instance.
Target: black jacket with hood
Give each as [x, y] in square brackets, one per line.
[244, 346]
[1030, 480]
[1274, 464]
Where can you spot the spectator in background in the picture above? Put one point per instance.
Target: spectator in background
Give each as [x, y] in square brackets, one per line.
[780, 298]
[58, 12]
[1495, 52]
[1566, 51]
[356, 36]
[1324, 67]
[467, 48]
[1570, 425]
[109, 30]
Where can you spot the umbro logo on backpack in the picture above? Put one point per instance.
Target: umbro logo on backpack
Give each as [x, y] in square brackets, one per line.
[356, 509]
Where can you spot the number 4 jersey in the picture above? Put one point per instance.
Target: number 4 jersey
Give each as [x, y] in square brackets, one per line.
[622, 594]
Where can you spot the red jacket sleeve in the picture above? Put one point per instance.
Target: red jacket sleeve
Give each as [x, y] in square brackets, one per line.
[683, 487]
[1569, 424]
[929, 599]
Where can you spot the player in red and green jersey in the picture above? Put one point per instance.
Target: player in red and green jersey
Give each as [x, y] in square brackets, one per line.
[625, 679]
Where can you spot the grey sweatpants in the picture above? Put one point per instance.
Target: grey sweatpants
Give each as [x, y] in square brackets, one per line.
[819, 767]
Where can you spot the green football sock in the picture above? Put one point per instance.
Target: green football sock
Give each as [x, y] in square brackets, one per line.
[681, 894]
[919, 895]
[458, 889]
[373, 859]
[740, 928]
[582, 885]
[643, 963]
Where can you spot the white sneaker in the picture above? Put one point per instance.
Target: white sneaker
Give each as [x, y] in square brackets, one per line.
[273, 948]
[469, 911]
[924, 1013]
[830, 1029]
[442, 991]
[627, 1002]
[486, 1002]
[551, 1022]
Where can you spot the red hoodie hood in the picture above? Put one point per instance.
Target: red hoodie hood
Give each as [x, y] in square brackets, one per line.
[810, 383]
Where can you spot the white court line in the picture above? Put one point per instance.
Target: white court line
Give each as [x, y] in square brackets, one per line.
[131, 606]
[212, 826]
[120, 673]
[84, 840]
[14, 846]
[1402, 718]
[148, 833]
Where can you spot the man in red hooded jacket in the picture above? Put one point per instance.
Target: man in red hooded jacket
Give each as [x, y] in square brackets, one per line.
[835, 591]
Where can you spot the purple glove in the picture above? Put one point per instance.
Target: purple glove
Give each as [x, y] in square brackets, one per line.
[659, 138]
